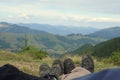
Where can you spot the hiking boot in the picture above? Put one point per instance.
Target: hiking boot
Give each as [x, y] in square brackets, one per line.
[68, 66]
[87, 63]
[44, 70]
[60, 63]
[55, 70]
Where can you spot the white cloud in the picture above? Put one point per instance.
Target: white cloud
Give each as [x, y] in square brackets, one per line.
[62, 12]
[98, 6]
[24, 16]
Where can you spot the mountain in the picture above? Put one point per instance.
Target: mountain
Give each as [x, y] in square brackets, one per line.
[3, 24]
[101, 50]
[107, 33]
[12, 38]
[85, 49]
[105, 49]
[61, 30]
[14, 28]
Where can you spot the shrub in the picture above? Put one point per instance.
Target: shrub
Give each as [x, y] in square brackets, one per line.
[115, 58]
[34, 52]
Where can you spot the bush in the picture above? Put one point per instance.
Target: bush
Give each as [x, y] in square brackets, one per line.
[115, 58]
[34, 52]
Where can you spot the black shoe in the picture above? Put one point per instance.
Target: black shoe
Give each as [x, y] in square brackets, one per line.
[44, 70]
[68, 66]
[88, 63]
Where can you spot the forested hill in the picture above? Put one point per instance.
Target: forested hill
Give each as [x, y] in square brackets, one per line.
[12, 37]
[102, 50]
[85, 49]
[106, 48]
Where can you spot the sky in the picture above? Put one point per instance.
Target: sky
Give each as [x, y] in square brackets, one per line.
[85, 13]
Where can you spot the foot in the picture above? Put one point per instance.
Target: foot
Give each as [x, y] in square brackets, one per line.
[44, 69]
[57, 67]
[68, 66]
[88, 63]
[55, 70]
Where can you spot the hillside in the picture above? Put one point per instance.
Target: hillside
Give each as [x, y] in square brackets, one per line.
[12, 38]
[60, 30]
[14, 28]
[85, 49]
[107, 33]
[106, 48]
[101, 50]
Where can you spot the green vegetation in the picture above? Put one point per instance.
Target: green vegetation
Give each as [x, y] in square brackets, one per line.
[107, 48]
[87, 48]
[102, 50]
[29, 64]
[24, 62]
[14, 41]
[108, 33]
[115, 58]
[107, 52]
[34, 52]
[12, 38]
[32, 47]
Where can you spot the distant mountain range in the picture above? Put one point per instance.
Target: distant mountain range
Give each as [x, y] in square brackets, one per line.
[61, 30]
[108, 33]
[14, 28]
[12, 37]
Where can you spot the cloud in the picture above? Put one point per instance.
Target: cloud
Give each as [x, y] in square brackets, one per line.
[98, 6]
[24, 16]
[62, 12]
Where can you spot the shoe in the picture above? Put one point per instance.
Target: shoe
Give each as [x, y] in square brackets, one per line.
[57, 67]
[44, 70]
[60, 63]
[55, 70]
[68, 66]
[87, 63]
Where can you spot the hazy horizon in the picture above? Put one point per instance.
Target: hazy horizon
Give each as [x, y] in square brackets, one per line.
[97, 13]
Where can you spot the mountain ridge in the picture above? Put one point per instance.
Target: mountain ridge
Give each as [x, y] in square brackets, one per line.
[14, 36]
[107, 33]
[102, 50]
[14, 28]
[59, 29]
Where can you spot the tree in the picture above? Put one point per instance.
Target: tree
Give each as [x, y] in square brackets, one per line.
[25, 43]
[32, 50]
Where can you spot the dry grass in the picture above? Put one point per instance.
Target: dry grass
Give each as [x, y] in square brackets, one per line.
[99, 65]
[23, 61]
[29, 65]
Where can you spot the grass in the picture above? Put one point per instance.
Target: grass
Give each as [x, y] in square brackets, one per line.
[23, 61]
[99, 65]
[30, 65]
